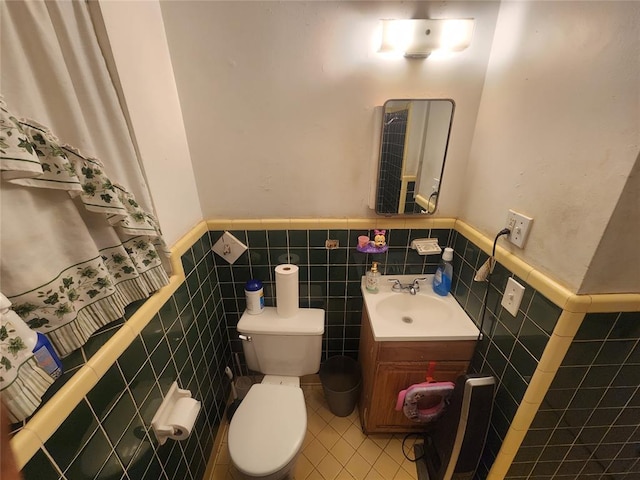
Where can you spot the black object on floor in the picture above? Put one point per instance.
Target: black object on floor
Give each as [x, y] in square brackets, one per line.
[452, 448]
[421, 466]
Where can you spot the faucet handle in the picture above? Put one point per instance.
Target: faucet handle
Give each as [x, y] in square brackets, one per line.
[396, 284]
[416, 283]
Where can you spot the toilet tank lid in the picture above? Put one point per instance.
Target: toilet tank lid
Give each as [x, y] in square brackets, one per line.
[308, 321]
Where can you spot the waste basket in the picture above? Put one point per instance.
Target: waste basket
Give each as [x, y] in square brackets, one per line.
[341, 378]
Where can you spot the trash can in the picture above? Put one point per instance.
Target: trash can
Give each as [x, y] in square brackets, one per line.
[341, 378]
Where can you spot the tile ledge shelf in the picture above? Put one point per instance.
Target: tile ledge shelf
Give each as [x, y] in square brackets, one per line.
[44, 423]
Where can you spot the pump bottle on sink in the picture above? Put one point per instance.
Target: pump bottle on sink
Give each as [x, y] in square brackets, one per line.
[444, 274]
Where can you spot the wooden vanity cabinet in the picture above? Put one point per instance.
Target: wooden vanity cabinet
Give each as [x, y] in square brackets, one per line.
[389, 367]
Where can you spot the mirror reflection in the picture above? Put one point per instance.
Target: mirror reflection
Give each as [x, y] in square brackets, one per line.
[413, 148]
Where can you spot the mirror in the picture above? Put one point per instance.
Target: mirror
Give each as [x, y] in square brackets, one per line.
[413, 148]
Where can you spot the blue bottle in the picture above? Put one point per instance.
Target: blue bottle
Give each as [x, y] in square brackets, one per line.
[47, 357]
[36, 342]
[444, 274]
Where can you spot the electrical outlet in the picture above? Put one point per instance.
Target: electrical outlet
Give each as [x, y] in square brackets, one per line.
[512, 297]
[519, 225]
[331, 244]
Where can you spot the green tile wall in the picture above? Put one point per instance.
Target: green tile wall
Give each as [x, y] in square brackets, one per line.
[511, 346]
[510, 349]
[193, 337]
[329, 279]
[107, 436]
[588, 426]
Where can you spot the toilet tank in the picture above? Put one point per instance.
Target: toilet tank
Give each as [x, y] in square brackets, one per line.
[283, 346]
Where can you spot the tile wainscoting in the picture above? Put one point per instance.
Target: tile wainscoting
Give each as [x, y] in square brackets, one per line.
[192, 336]
[107, 435]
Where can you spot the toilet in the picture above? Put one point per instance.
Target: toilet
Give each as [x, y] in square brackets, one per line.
[269, 426]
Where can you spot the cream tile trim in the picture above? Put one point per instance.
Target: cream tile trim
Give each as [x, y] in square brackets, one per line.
[554, 291]
[500, 467]
[25, 445]
[443, 223]
[107, 355]
[185, 243]
[44, 423]
[567, 326]
[329, 223]
[148, 310]
[220, 224]
[47, 420]
[550, 288]
[615, 302]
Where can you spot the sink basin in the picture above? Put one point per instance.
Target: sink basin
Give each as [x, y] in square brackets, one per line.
[426, 316]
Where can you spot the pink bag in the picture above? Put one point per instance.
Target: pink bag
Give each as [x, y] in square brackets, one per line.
[424, 402]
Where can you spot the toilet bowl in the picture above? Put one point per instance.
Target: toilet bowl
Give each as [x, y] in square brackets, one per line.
[268, 429]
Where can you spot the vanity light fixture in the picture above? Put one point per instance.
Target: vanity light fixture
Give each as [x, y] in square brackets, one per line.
[418, 38]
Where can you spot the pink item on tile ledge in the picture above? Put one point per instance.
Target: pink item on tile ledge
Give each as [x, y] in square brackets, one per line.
[369, 248]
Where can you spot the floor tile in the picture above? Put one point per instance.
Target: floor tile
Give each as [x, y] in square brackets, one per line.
[342, 451]
[325, 413]
[358, 467]
[369, 450]
[386, 466]
[394, 450]
[315, 452]
[402, 474]
[381, 439]
[315, 423]
[374, 475]
[344, 475]
[303, 468]
[328, 436]
[315, 475]
[329, 467]
[340, 424]
[354, 436]
[334, 448]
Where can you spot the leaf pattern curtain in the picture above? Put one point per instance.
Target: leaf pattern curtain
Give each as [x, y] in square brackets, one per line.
[76, 247]
[78, 237]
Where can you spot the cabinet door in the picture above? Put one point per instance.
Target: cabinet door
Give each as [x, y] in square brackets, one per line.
[390, 380]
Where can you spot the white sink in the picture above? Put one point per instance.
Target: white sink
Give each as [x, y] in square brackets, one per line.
[425, 316]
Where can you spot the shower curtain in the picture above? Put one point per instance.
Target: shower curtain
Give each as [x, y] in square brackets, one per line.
[78, 238]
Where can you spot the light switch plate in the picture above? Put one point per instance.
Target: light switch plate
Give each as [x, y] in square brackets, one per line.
[229, 247]
[519, 225]
[512, 297]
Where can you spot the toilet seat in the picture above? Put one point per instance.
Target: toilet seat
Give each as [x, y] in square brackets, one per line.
[268, 429]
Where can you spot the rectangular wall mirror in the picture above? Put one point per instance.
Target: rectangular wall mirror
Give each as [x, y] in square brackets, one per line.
[413, 148]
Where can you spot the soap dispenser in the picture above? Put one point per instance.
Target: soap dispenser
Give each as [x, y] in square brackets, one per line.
[373, 278]
[444, 274]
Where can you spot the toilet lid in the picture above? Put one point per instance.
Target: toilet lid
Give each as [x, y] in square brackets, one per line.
[268, 429]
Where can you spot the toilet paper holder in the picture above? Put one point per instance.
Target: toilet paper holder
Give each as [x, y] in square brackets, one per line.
[172, 422]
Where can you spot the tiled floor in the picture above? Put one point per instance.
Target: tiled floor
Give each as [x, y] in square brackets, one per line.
[336, 449]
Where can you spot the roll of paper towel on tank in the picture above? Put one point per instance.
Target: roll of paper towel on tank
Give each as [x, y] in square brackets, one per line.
[287, 294]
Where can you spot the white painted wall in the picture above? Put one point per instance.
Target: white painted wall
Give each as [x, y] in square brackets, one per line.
[615, 267]
[278, 99]
[415, 132]
[139, 47]
[558, 131]
[435, 148]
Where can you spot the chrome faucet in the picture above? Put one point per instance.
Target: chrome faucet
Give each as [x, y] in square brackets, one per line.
[413, 287]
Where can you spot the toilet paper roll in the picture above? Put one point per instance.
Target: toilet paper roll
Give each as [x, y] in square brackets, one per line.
[183, 417]
[287, 303]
